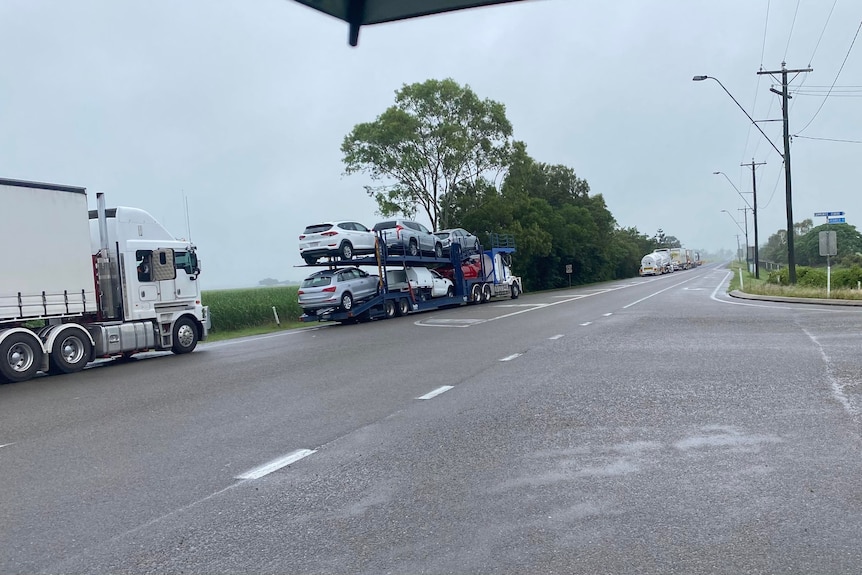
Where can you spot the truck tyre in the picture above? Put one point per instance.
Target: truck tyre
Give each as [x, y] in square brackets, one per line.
[71, 352]
[438, 250]
[20, 357]
[413, 248]
[403, 306]
[347, 301]
[185, 336]
[486, 293]
[476, 293]
[389, 309]
[516, 291]
[346, 251]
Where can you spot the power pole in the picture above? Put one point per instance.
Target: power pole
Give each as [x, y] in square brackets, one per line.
[791, 255]
[754, 165]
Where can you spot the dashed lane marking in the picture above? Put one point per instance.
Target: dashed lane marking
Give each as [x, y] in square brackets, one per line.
[558, 336]
[511, 357]
[276, 464]
[437, 392]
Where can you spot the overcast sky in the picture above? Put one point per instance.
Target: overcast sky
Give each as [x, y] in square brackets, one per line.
[241, 107]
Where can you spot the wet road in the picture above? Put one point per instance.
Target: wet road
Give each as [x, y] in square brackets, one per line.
[651, 425]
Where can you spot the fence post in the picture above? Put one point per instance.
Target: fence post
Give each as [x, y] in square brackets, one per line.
[275, 313]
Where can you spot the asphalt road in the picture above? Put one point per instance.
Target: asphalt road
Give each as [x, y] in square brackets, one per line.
[653, 425]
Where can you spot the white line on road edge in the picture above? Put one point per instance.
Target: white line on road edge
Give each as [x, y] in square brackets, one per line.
[276, 464]
[558, 336]
[511, 357]
[7, 444]
[586, 323]
[437, 392]
[607, 314]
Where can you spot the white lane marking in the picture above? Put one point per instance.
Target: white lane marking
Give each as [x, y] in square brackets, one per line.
[217, 344]
[511, 357]
[607, 314]
[521, 305]
[571, 296]
[7, 444]
[558, 336]
[441, 322]
[837, 388]
[586, 323]
[658, 292]
[437, 392]
[276, 464]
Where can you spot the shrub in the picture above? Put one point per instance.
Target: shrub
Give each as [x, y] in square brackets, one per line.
[810, 277]
[846, 277]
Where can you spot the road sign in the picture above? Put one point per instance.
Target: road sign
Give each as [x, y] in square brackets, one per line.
[836, 220]
[827, 214]
[828, 243]
[819, 214]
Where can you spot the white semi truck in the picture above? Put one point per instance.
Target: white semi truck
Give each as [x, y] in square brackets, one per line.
[77, 285]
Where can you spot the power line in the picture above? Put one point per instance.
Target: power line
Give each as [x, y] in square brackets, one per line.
[810, 60]
[792, 25]
[834, 81]
[765, 28]
[829, 139]
[774, 188]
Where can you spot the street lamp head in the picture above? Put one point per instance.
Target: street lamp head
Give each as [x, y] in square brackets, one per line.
[699, 78]
[715, 173]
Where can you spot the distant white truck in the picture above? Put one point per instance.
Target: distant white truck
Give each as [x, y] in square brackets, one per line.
[79, 285]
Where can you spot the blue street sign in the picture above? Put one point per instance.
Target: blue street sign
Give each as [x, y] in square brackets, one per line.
[830, 214]
[836, 220]
[819, 214]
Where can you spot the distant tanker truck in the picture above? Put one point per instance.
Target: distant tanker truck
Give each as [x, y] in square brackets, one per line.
[79, 285]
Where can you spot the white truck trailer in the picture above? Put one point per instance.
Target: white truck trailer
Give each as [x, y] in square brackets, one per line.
[78, 285]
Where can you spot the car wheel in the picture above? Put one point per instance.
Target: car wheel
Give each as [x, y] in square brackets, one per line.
[413, 248]
[70, 353]
[516, 291]
[347, 301]
[20, 356]
[450, 292]
[389, 309]
[185, 336]
[310, 260]
[476, 246]
[346, 251]
[438, 250]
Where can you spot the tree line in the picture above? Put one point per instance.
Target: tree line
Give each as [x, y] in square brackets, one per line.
[443, 152]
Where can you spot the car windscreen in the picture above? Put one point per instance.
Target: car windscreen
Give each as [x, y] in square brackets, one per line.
[316, 281]
[316, 229]
[385, 226]
[442, 235]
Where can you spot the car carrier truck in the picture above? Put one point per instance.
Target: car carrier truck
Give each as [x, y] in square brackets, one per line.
[77, 285]
[476, 278]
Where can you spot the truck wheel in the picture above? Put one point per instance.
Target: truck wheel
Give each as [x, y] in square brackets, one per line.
[20, 356]
[438, 251]
[413, 248]
[516, 291]
[403, 306]
[486, 293]
[70, 353]
[347, 301]
[476, 293]
[185, 336]
[389, 309]
[346, 251]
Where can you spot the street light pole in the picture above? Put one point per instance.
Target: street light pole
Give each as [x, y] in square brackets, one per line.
[754, 165]
[791, 258]
[745, 217]
[738, 251]
[753, 209]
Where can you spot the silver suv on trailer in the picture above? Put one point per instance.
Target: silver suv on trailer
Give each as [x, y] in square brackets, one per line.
[409, 237]
[340, 288]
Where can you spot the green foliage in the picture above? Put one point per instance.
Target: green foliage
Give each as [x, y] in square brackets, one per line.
[807, 247]
[244, 308]
[848, 278]
[439, 140]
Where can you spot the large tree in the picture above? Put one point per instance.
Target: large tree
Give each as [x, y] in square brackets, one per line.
[438, 142]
